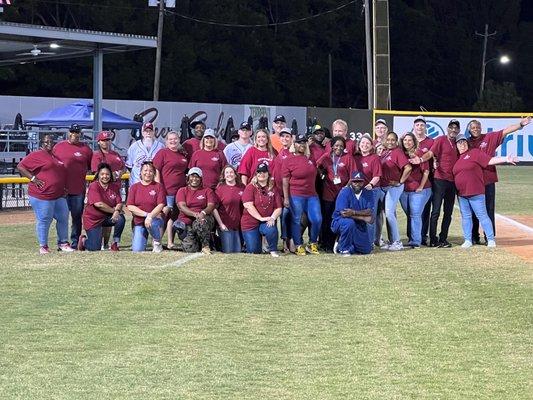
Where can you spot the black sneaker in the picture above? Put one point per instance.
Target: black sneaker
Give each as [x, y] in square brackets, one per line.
[444, 244]
[433, 244]
[476, 241]
[424, 242]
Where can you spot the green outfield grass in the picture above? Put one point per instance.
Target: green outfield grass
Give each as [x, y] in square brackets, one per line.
[514, 192]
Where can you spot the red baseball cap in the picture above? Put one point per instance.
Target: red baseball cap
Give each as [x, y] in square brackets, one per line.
[104, 135]
[148, 125]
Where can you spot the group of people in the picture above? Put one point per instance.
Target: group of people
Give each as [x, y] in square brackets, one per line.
[231, 197]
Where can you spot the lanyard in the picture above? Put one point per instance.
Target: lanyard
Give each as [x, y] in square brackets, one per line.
[335, 164]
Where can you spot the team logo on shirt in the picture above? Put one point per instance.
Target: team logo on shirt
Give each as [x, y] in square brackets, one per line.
[341, 164]
[60, 162]
[78, 154]
[466, 157]
[113, 196]
[483, 145]
[240, 193]
[389, 158]
[309, 162]
[270, 194]
[214, 158]
[365, 164]
[425, 149]
[200, 197]
[184, 159]
[152, 192]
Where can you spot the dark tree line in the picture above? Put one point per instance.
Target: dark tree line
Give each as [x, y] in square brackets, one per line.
[435, 55]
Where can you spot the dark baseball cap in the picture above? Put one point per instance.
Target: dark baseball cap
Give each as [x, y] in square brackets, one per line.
[280, 117]
[460, 137]
[245, 126]
[357, 176]
[454, 122]
[75, 128]
[300, 138]
[263, 167]
[317, 128]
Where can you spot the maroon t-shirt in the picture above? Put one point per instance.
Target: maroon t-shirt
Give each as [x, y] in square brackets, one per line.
[50, 170]
[426, 144]
[230, 205]
[211, 164]
[146, 197]
[252, 158]
[340, 167]
[369, 165]
[114, 160]
[317, 150]
[195, 200]
[468, 172]
[93, 216]
[301, 172]
[488, 143]
[445, 152]
[392, 163]
[77, 159]
[264, 200]
[171, 166]
[193, 144]
[417, 173]
[275, 168]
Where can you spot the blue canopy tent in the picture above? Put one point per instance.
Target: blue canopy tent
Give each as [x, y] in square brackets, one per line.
[81, 113]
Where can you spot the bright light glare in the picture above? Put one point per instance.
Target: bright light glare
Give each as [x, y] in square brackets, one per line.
[504, 59]
[54, 46]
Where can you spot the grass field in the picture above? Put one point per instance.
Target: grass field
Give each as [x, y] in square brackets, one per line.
[514, 195]
[419, 324]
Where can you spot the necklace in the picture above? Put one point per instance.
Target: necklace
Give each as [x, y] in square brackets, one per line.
[263, 192]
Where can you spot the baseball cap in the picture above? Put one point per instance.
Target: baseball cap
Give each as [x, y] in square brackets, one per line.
[195, 170]
[301, 137]
[460, 137]
[148, 125]
[194, 123]
[317, 128]
[419, 118]
[357, 176]
[75, 128]
[454, 122]
[209, 133]
[381, 121]
[263, 167]
[286, 130]
[279, 117]
[104, 135]
[245, 126]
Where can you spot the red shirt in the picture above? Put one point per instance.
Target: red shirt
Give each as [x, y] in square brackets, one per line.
[50, 170]
[93, 216]
[426, 144]
[468, 172]
[369, 165]
[171, 166]
[230, 205]
[146, 197]
[252, 158]
[317, 150]
[193, 144]
[276, 166]
[488, 143]
[114, 160]
[341, 168]
[417, 173]
[211, 164]
[301, 172]
[264, 200]
[445, 152]
[392, 163]
[195, 199]
[77, 159]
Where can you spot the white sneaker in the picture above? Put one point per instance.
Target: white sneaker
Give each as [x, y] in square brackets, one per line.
[158, 247]
[274, 254]
[345, 253]
[335, 247]
[65, 247]
[467, 244]
[491, 243]
[396, 246]
[383, 245]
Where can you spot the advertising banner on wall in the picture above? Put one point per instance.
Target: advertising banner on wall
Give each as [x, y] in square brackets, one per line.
[519, 143]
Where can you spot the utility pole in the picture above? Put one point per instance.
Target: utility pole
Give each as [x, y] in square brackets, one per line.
[485, 35]
[368, 45]
[157, 75]
[330, 82]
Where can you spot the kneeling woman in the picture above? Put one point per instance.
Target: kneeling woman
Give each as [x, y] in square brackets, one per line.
[262, 207]
[104, 209]
[146, 200]
[195, 221]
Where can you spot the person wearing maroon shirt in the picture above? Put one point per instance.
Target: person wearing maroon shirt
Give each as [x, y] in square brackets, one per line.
[262, 207]
[395, 169]
[114, 160]
[424, 145]
[299, 193]
[317, 143]
[46, 191]
[103, 209]
[261, 153]
[335, 169]
[416, 192]
[468, 178]
[488, 143]
[146, 200]
[193, 144]
[77, 157]
[195, 221]
[228, 215]
[367, 162]
[209, 159]
[445, 154]
[171, 164]
[285, 137]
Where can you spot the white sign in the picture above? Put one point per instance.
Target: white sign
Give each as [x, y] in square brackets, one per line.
[519, 143]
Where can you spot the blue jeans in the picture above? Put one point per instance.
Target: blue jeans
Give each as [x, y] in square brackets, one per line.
[94, 235]
[476, 204]
[311, 206]
[230, 241]
[374, 229]
[413, 204]
[171, 201]
[45, 211]
[252, 238]
[392, 196]
[140, 234]
[75, 206]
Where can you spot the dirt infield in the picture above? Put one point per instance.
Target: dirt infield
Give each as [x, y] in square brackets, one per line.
[512, 238]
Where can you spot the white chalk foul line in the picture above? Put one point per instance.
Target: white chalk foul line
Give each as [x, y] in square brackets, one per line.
[515, 223]
[183, 260]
